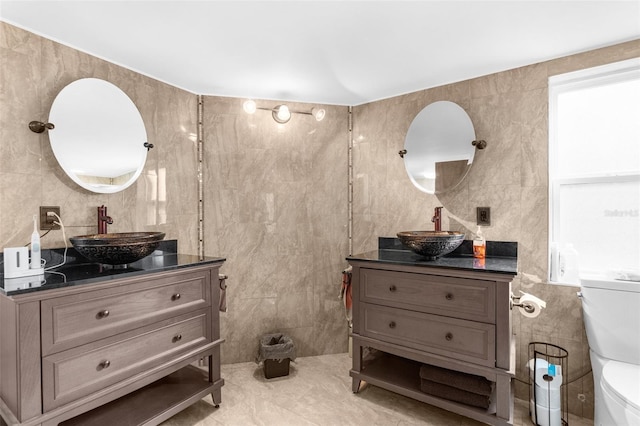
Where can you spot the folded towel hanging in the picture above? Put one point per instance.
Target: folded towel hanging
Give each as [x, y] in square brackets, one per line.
[345, 294]
[222, 281]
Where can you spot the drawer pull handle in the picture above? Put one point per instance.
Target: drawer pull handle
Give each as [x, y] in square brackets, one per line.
[177, 338]
[392, 288]
[104, 364]
[103, 314]
[449, 296]
[449, 336]
[392, 324]
[175, 297]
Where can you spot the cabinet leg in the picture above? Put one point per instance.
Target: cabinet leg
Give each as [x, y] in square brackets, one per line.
[216, 396]
[355, 385]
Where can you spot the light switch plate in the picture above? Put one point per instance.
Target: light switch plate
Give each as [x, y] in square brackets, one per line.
[483, 216]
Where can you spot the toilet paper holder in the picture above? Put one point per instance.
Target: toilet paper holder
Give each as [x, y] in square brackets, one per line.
[515, 301]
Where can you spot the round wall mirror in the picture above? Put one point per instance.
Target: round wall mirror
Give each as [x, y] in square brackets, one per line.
[99, 136]
[438, 149]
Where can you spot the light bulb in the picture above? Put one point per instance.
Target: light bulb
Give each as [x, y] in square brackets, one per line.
[281, 114]
[318, 113]
[249, 106]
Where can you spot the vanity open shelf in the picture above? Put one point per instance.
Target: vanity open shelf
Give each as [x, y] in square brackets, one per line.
[153, 403]
[401, 375]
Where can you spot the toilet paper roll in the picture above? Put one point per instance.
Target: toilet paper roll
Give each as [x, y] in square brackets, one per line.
[531, 305]
[539, 363]
[543, 416]
[547, 388]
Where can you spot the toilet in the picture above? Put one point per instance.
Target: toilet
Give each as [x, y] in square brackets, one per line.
[611, 311]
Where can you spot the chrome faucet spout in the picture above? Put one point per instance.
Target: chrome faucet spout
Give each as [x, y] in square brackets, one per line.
[437, 219]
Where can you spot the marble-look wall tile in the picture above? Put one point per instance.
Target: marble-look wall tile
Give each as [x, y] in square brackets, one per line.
[165, 197]
[509, 110]
[276, 208]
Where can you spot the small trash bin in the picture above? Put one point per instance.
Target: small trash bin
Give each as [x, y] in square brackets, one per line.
[275, 352]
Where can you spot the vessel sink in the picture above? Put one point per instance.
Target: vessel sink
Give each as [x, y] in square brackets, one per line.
[431, 244]
[117, 248]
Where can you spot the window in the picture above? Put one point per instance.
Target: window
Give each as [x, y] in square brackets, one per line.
[594, 166]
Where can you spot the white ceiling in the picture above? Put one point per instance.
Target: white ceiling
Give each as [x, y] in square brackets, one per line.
[333, 52]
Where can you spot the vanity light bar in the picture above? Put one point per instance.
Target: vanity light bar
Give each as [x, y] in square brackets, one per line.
[282, 113]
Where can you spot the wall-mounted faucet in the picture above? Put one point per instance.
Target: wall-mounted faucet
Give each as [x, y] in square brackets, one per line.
[103, 220]
[437, 218]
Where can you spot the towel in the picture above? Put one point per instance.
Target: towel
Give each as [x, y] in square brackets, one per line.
[345, 294]
[223, 292]
[457, 379]
[455, 394]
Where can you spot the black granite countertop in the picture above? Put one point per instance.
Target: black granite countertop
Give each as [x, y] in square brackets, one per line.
[79, 271]
[502, 257]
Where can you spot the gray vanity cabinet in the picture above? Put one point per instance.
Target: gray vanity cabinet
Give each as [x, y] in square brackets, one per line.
[122, 350]
[451, 318]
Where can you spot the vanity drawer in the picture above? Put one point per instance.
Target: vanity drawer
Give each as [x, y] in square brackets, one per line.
[453, 297]
[77, 372]
[455, 338]
[74, 320]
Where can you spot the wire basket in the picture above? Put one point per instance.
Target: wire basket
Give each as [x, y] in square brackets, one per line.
[548, 390]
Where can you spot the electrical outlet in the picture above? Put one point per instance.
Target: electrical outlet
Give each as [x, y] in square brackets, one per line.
[483, 216]
[47, 219]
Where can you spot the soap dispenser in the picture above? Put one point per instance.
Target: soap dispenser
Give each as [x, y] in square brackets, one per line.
[479, 245]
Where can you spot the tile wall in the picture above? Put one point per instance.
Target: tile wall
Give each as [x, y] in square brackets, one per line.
[32, 72]
[276, 208]
[509, 110]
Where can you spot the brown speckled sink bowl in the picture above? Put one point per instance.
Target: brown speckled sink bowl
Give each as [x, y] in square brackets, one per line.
[117, 248]
[431, 244]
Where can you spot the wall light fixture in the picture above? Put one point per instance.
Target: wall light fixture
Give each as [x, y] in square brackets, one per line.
[282, 113]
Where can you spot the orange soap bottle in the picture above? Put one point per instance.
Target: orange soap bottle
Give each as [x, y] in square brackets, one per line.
[479, 245]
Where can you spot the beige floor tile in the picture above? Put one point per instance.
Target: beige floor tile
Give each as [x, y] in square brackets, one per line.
[317, 392]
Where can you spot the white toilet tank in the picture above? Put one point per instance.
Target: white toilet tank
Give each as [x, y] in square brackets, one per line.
[611, 311]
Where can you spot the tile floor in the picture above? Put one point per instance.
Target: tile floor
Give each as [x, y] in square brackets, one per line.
[317, 391]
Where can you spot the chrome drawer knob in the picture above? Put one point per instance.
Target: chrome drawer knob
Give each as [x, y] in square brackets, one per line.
[449, 336]
[104, 364]
[103, 314]
[392, 324]
[449, 296]
[175, 297]
[177, 338]
[392, 288]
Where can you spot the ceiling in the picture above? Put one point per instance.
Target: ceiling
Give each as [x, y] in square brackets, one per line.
[330, 52]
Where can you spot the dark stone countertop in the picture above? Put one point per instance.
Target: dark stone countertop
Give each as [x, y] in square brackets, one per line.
[79, 271]
[502, 257]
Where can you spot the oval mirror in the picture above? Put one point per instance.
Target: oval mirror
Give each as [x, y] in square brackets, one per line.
[99, 135]
[438, 149]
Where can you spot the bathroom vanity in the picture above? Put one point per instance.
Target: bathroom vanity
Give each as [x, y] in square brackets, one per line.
[453, 312]
[105, 345]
